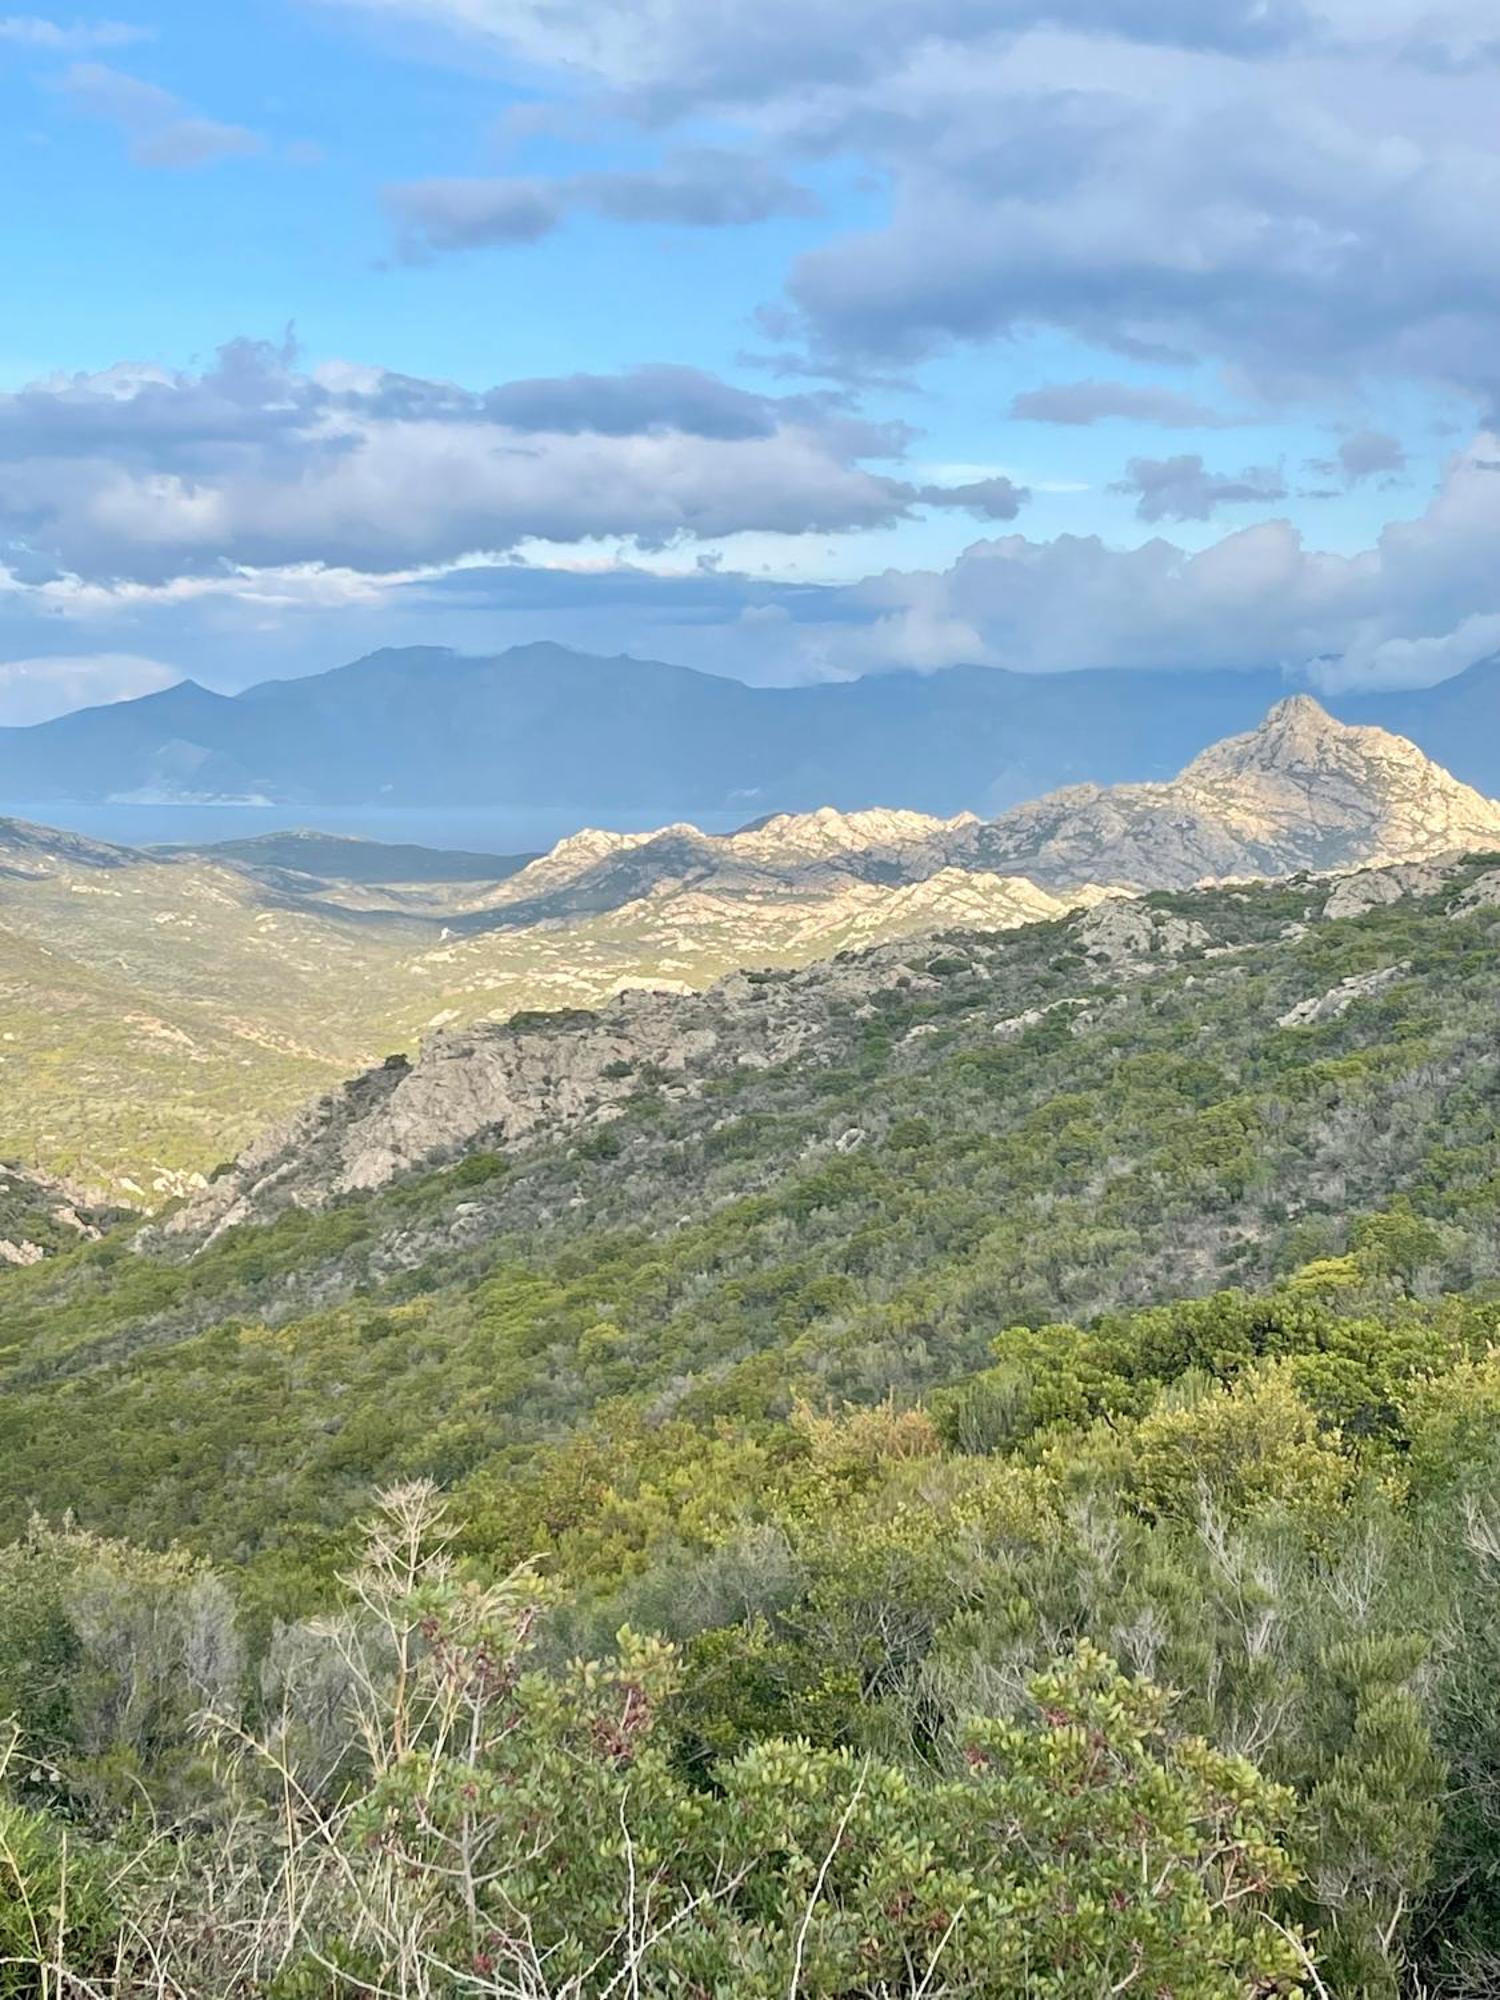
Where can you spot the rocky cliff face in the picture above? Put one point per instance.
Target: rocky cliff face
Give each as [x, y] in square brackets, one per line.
[1301, 792]
[501, 1084]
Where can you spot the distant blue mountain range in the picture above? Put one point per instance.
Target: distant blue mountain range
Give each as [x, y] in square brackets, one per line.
[541, 725]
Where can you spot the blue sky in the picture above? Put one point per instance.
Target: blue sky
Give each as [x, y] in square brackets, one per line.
[791, 340]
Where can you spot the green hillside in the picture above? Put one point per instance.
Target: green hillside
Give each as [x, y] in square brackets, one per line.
[1061, 1364]
[858, 1220]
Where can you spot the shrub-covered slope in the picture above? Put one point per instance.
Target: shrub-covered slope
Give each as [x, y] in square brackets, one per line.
[1219, 1088]
[974, 1612]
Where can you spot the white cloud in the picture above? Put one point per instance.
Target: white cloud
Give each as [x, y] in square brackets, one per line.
[683, 54]
[161, 131]
[1305, 191]
[36, 690]
[1421, 603]
[30, 31]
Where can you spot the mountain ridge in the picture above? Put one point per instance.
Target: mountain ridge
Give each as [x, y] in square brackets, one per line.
[1302, 790]
[545, 726]
[1299, 790]
[508, 1090]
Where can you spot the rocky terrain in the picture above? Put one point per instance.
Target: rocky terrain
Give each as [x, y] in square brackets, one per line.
[507, 1086]
[509, 1082]
[40, 1216]
[1029, 1224]
[863, 1164]
[816, 853]
[158, 1010]
[1302, 791]
[834, 1181]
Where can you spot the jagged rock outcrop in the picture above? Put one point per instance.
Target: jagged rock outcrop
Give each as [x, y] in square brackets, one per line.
[1127, 933]
[497, 1084]
[1339, 999]
[1483, 893]
[41, 1215]
[1302, 792]
[780, 925]
[820, 853]
[1376, 888]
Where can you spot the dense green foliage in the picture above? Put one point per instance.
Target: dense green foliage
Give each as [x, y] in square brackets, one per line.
[852, 1223]
[458, 1818]
[1017, 1622]
[1286, 1515]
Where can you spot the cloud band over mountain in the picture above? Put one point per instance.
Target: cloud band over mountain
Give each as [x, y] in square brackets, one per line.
[140, 500]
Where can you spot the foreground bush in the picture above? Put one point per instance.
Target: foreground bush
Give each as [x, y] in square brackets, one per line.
[501, 1829]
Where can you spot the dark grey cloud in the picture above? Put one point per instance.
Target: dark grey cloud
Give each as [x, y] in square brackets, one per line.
[1368, 453]
[249, 396]
[996, 499]
[661, 397]
[254, 394]
[141, 475]
[1360, 456]
[1303, 191]
[1183, 489]
[674, 56]
[1082, 403]
[1444, 43]
[465, 214]
[1266, 234]
[159, 129]
[670, 396]
[702, 188]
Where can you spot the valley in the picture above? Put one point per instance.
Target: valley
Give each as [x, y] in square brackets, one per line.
[832, 1181]
[159, 1009]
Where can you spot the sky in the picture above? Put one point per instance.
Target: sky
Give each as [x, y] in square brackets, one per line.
[791, 340]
